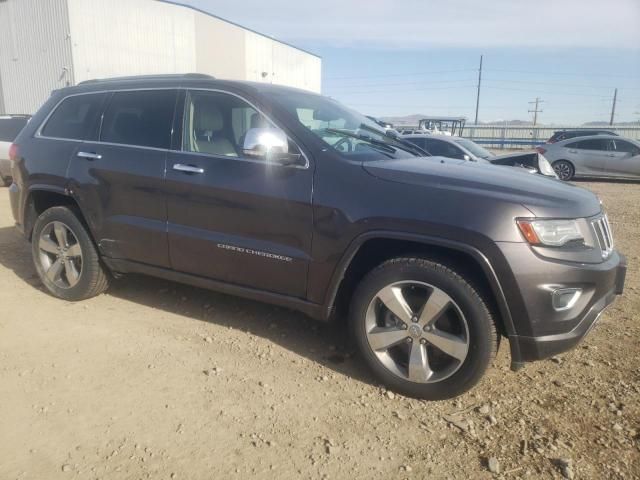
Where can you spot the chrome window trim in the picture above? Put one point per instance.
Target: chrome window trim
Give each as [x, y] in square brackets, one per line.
[226, 92]
[38, 133]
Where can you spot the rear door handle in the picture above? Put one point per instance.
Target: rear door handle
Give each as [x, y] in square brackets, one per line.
[573, 151]
[89, 155]
[187, 168]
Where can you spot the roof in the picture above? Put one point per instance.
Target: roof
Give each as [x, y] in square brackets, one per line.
[180, 4]
[189, 80]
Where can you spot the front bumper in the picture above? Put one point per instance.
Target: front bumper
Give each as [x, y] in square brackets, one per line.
[542, 331]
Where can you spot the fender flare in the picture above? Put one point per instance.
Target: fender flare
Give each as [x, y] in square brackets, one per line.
[476, 254]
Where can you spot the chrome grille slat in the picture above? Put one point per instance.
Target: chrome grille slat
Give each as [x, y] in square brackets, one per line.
[602, 231]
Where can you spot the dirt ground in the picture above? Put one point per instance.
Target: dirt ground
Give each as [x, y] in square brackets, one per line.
[163, 381]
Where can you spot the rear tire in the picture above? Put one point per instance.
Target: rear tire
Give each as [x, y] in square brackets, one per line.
[434, 349]
[564, 170]
[65, 257]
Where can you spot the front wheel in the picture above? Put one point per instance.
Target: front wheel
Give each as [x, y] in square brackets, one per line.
[65, 257]
[422, 328]
[564, 170]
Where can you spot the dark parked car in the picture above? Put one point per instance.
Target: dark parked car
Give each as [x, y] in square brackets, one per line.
[254, 190]
[567, 134]
[465, 149]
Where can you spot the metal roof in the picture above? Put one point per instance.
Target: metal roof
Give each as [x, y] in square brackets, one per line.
[180, 4]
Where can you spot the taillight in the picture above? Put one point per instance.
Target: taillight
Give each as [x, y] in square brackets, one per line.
[13, 152]
[541, 150]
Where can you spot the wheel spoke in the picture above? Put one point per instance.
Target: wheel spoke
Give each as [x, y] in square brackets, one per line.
[74, 250]
[437, 303]
[385, 338]
[450, 344]
[47, 245]
[61, 234]
[54, 271]
[418, 369]
[72, 273]
[394, 300]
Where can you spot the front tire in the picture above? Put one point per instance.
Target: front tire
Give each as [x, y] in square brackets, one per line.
[564, 170]
[65, 257]
[422, 328]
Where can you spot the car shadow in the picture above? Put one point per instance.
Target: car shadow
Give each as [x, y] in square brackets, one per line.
[606, 180]
[324, 343]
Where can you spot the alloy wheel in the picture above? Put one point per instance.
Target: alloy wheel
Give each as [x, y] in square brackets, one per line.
[60, 255]
[563, 170]
[417, 331]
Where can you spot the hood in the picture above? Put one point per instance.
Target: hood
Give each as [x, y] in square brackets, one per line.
[543, 196]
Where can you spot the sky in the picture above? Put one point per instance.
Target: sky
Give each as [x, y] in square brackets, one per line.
[390, 58]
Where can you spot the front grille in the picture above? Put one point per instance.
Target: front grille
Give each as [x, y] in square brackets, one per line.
[603, 234]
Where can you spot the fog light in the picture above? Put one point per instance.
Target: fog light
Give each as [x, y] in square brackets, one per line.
[565, 298]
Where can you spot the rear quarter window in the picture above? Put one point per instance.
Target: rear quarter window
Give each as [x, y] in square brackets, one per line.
[75, 117]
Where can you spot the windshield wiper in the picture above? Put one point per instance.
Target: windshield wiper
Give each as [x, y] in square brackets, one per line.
[365, 138]
[398, 142]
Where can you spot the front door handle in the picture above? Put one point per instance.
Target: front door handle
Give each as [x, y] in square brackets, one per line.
[187, 168]
[89, 155]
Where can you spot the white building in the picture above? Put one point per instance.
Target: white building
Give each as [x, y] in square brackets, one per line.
[49, 44]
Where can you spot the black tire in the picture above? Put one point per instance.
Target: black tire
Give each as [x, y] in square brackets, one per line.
[93, 278]
[564, 169]
[5, 181]
[482, 336]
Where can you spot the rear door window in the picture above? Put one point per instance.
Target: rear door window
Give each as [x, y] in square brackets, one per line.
[75, 118]
[140, 118]
[600, 144]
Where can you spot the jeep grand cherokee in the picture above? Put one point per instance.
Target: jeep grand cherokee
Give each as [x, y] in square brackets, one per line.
[288, 197]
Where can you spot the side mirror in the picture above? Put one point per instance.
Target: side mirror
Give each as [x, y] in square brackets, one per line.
[270, 144]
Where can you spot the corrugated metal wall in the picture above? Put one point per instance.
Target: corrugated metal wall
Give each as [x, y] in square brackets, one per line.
[47, 44]
[270, 61]
[130, 37]
[35, 52]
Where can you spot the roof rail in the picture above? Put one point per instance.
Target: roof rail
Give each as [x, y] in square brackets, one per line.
[172, 76]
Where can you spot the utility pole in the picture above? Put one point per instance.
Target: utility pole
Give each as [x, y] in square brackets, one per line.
[613, 106]
[535, 110]
[478, 97]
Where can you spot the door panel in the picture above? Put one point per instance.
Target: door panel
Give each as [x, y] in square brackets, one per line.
[122, 192]
[120, 178]
[624, 161]
[588, 156]
[234, 219]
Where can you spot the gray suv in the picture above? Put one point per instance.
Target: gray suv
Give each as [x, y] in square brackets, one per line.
[288, 197]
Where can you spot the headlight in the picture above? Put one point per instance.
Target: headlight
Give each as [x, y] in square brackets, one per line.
[553, 233]
[545, 167]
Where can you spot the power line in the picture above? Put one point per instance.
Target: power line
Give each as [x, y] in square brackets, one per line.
[432, 72]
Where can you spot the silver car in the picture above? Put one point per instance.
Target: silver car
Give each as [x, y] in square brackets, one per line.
[594, 156]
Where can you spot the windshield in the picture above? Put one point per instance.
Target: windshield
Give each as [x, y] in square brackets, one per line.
[343, 129]
[474, 148]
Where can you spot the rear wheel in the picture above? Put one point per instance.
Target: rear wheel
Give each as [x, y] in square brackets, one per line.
[564, 170]
[422, 328]
[65, 257]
